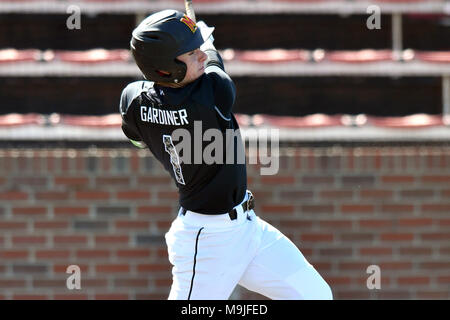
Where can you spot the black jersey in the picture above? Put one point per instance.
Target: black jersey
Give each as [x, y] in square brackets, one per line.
[152, 114]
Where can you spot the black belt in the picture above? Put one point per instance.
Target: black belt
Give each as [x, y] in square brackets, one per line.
[249, 204]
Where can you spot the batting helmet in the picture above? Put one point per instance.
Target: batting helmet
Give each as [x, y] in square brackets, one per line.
[159, 39]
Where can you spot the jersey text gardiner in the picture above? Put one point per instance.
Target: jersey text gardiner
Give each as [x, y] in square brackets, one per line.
[167, 117]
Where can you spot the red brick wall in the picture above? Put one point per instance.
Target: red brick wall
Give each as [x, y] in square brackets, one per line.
[107, 210]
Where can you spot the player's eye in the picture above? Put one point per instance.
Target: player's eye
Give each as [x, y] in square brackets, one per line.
[191, 53]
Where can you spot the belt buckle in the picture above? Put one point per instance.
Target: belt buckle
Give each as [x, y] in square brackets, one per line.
[250, 202]
[233, 214]
[245, 206]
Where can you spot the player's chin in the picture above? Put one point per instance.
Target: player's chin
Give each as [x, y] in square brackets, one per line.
[199, 73]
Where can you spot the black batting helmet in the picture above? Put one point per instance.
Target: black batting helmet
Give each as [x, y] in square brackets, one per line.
[159, 39]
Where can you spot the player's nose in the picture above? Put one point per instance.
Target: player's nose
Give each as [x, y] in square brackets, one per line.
[202, 56]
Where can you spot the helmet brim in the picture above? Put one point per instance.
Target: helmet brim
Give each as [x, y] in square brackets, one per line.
[199, 38]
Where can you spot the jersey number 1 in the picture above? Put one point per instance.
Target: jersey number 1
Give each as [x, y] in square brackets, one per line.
[174, 159]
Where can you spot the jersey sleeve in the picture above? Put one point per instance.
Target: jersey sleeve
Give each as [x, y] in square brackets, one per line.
[223, 85]
[126, 99]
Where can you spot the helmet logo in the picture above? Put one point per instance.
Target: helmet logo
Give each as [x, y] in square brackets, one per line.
[191, 24]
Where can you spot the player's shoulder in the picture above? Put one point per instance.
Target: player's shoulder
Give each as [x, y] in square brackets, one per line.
[131, 92]
[223, 90]
[219, 79]
[135, 88]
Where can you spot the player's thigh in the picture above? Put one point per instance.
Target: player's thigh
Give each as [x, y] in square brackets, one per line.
[203, 285]
[207, 264]
[280, 271]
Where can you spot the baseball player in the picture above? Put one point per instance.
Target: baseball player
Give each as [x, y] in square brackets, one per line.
[216, 241]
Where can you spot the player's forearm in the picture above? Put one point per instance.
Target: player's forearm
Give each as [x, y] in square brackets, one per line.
[214, 59]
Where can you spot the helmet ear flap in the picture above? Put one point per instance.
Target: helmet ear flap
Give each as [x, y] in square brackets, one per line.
[167, 76]
[180, 72]
[163, 73]
[160, 70]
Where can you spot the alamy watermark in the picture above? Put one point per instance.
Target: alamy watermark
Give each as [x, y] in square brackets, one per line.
[74, 280]
[374, 20]
[374, 280]
[74, 20]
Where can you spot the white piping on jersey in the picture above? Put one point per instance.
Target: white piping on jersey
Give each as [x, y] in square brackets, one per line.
[174, 159]
[220, 113]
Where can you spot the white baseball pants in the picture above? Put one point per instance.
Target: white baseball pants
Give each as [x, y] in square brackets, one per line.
[211, 254]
